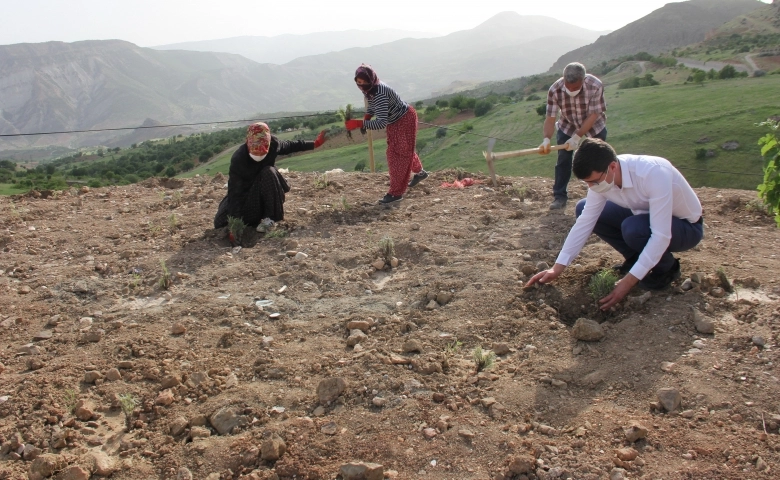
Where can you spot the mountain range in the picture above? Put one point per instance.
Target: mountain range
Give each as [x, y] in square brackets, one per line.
[281, 49]
[671, 26]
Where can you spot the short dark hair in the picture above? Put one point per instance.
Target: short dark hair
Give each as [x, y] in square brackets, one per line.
[593, 155]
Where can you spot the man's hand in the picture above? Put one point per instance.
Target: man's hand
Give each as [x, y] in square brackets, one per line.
[366, 117]
[544, 148]
[353, 124]
[622, 287]
[546, 276]
[573, 142]
[320, 139]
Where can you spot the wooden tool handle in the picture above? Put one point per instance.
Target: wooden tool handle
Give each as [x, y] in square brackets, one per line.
[520, 153]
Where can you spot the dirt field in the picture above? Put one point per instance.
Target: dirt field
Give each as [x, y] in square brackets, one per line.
[293, 356]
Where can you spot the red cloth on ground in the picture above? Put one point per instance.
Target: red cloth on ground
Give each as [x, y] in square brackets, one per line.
[402, 160]
[466, 182]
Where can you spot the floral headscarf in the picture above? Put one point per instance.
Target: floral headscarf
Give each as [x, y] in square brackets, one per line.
[367, 74]
[258, 138]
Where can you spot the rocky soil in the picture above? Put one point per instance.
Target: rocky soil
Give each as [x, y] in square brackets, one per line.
[139, 343]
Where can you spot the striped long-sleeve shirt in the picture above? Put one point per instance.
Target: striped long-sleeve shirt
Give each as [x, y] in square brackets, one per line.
[387, 106]
[574, 110]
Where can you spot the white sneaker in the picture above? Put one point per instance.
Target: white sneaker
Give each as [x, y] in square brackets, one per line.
[265, 225]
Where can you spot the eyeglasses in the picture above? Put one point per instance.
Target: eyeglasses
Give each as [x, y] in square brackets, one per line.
[593, 183]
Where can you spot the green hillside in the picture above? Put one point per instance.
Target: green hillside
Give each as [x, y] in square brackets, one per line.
[665, 120]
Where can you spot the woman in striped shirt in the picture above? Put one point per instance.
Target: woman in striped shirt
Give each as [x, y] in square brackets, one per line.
[400, 119]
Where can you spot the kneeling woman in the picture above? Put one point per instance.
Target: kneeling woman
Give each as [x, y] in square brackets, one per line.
[255, 188]
[400, 119]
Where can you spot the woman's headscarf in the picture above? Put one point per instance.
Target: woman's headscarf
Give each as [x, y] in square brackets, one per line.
[367, 74]
[258, 139]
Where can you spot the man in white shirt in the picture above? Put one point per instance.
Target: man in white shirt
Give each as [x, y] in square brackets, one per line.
[640, 205]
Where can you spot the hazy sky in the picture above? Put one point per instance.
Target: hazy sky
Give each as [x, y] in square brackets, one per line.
[157, 22]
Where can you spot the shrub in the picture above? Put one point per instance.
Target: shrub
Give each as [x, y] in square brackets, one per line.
[533, 97]
[483, 360]
[361, 165]
[602, 283]
[482, 107]
[441, 132]
[701, 153]
[431, 108]
[542, 109]
[442, 103]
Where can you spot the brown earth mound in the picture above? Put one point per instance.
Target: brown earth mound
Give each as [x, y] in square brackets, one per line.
[139, 343]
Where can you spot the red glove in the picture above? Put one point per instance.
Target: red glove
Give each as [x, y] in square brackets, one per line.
[320, 139]
[366, 117]
[353, 124]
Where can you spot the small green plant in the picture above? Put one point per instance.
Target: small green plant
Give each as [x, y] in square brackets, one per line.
[321, 181]
[602, 283]
[136, 281]
[483, 359]
[460, 173]
[701, 153]
[70, 397]
[173, 223]
[724, 280]
[155, 230]
[517, 192]
[165, 280]
[769, 189]
[345, 204]
[176, 198]
[452, 348]
[387, 248]
[276, 233]
[127, 402]
[236, 228]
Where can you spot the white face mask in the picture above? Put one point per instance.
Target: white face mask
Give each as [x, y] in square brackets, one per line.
[574, 93]
[257, 158]
[604, 186]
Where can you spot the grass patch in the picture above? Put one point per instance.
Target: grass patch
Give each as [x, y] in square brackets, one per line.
[602, 283]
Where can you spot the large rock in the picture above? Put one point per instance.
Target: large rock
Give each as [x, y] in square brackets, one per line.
[362, 471]
[329, 389]
[272, 448]
[100, 464]
[587, 330]
[635, 431]
[45, 465]
[226, 419]
[702, 323]
[670, 399]
[74, 472]
[521, 464]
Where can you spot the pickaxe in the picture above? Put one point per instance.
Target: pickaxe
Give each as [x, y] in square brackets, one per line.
[490, 156]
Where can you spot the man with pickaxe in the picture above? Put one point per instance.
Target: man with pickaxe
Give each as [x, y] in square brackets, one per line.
[579, 97]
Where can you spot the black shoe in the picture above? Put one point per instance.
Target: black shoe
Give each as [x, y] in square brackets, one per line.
[627, 264]
[418, 177]
[659, 281]
[558, 204]
[390, 199]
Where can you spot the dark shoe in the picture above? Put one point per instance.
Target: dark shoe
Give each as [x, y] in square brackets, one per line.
[626, 266]
[659, 281]
[418, 177]
[390, 199]
[558, 204]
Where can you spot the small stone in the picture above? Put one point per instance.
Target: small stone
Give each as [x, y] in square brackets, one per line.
[761, 464]
[199, 432]
[411, 346]
[178, 426]
[394, 262]
[587, 330]
[758, 341]
[362, 471]
[697, 277]
[43, 335]
[184, 474]
[91, 376]
[361, 325]
[330, 428]
[635, 431]
[702, 323]
[468, 434]
[378, 264]
[300, 256]
[170, 381]
[112, 375]
[378, 401]
[34, 363]
[74, 472]
[355, 337]
[2, 368]
[617, 474]
[500, 348]
[718, 292]
[687, 414]
[100, 464]
[46, 465]
[669, 398]
[273, 447]
[626, 454]
[164, 398]
[542, 266]
[443, 298]
[93, 336]
[521, 464]
[330, 389]
[432, 305]
[686, 285]
[178, 329]
[528, 270]
[226, 419]
[667, 366]
[429, 433]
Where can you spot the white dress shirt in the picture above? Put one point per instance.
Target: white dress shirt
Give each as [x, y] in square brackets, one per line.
[650, 185]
